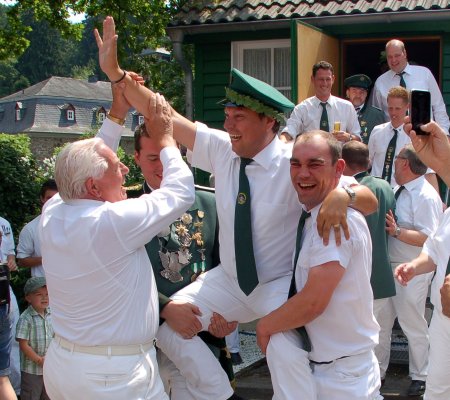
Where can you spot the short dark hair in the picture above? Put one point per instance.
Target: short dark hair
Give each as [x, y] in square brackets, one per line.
[322, 65]
[415, 165]
[276, 124]
[139, 132]
[356, 155]
[49, 184]
[333, 144]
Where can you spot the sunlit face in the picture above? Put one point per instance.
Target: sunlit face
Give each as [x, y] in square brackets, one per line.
[323, 82]
[38, 299]
[396, 58]
[357, 96]
[312, 172]
[49, 193]
[249, 133]
[400, 162]
[110, 186]
[397, 110]
[148, 160]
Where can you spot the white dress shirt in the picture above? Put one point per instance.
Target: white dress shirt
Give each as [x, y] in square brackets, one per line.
[30, 245]
[7, 240]
[415, 77]
[418, 207]
[347, 326]
[306, 116]
[378, 144]
[99, 276]
[437, 247]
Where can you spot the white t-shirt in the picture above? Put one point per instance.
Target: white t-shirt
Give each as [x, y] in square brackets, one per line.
[7, 240]
[30, 245]
[347, 326]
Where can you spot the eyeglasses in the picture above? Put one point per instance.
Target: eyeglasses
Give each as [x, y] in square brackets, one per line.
[401, 157]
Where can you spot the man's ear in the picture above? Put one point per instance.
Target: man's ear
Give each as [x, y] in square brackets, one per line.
[92, 189]
[340, 166]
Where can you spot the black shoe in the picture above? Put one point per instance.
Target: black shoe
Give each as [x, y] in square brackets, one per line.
[235, 396]
[236, 358]
[417, 388]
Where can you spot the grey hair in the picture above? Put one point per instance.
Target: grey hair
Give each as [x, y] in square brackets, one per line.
[416, 166]
[77, 162]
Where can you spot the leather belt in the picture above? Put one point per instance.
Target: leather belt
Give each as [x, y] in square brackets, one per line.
[326, 362]
[124, 350]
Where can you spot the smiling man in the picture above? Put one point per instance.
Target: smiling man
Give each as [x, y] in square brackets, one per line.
[330, 291]
[257, 210]
[323, 110]
[401, 73]
[99, 278]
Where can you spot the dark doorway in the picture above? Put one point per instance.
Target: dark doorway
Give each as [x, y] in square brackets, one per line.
[365, 56]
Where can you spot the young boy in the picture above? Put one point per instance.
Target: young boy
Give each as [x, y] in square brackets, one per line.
[34, 334]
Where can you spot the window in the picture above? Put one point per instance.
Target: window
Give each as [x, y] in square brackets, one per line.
[19, 111]
[101, 116]
[140, 119]
[268, 60]
[70, 115]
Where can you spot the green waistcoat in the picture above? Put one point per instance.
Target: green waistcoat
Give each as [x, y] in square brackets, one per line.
[370, 117]
[382, 279]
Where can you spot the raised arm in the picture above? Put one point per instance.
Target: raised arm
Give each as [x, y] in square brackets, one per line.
[137, 95]
[432, 149]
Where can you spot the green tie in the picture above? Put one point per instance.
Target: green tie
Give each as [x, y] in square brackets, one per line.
[324, 118]
[293, 288]
[402, 81]
[243, 242]
[389, 158]
[399, 190]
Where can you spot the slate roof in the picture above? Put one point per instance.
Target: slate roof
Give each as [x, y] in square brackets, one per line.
[69, 88]
[199, 12]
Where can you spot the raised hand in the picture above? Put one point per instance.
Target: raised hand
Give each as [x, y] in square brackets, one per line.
[107, 50]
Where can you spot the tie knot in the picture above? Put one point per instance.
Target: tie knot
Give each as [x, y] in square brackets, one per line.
[395, 131]
[357, 109]
[305, 215]
[245, 161]
[401, 73]
[323, 104]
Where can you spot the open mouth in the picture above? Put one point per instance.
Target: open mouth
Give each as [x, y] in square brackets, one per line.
[235, 137]
[306, 186]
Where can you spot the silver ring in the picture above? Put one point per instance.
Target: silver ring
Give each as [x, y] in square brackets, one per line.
[337, 226]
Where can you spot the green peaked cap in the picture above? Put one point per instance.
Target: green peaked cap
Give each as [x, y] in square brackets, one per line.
[359, 81]
[246, 91]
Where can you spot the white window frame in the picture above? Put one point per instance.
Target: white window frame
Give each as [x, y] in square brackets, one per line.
[70, 115]
[237, 54]
[140, 119]
[18, 114]
[101, 116]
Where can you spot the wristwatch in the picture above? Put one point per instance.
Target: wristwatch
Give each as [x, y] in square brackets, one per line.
[397, 231]
[351, 193]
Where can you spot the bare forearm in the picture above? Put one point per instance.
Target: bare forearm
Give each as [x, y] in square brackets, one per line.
[29, 262]
[365, 201]
[412, 237]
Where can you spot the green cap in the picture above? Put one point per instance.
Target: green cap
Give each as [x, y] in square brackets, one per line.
[33, 284]
[359, 80]
[249, 92]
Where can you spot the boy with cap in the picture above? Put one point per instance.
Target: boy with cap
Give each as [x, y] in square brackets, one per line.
[368, 116]
[34, 334]
[258, 212]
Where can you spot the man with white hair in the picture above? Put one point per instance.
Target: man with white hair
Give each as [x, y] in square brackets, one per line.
[99, 278]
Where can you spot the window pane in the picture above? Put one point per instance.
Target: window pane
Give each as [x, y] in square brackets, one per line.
[257, 63]
[282, 62]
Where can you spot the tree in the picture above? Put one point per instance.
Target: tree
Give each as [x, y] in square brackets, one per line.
[143, 21]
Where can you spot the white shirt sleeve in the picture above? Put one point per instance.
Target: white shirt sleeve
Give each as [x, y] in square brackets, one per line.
[111, 133]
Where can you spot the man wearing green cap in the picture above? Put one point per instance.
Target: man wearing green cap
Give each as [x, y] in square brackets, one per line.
[368, 116]
[251, 168]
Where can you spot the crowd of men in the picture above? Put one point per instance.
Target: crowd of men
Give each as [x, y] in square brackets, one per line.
[311, 234]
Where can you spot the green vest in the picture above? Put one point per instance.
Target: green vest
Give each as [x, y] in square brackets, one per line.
[369, 117]
[382, 279]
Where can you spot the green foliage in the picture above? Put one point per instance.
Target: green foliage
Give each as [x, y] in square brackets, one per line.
[19, 183]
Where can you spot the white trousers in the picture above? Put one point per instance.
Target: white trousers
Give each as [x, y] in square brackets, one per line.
[233, 341]
[356, 377]
[408, 305]
[72, 375]
[289, 368]
[217, 291]
[438, 381]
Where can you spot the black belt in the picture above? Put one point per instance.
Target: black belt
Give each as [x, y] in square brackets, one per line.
[326, 362]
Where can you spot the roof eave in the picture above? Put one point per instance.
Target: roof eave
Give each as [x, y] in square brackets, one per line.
[323, 21]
